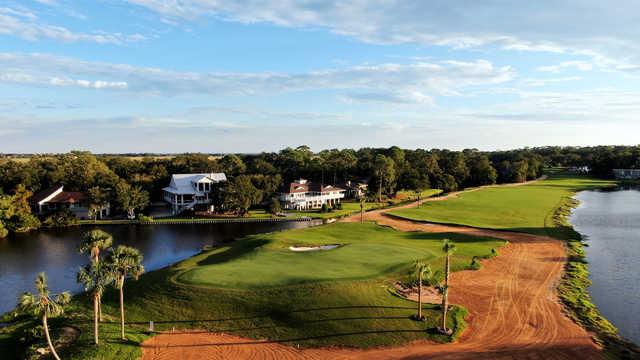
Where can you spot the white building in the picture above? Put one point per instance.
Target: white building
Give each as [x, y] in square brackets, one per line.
[627, 174]
[188, 190]
[303, 195]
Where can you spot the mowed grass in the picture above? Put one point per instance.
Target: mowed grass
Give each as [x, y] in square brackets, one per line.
[366, 251]
[255, 287]
[526, 208]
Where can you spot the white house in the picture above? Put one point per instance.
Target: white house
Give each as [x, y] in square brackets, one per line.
[627, 174]
[303, 195]
[188, 190]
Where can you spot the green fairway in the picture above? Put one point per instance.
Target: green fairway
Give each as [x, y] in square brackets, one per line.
[367, 251]
[524, 208]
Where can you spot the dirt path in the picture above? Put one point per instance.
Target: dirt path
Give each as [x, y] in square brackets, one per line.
[514, 312]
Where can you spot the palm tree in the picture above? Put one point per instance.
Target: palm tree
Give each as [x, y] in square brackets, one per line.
[448, 248]
[124, 261]
[95, 277]
[93, 242]
[44, 306]
[362, 201]
[421, 271]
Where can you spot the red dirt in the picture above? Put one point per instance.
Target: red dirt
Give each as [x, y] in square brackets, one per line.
[514, 312]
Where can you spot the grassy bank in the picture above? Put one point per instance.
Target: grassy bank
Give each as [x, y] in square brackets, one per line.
[574, 286]
[256, 287]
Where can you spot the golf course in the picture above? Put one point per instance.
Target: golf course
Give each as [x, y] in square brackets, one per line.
[257, 297]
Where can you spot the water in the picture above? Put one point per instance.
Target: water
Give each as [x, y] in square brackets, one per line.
[23, 256]
[610, 224]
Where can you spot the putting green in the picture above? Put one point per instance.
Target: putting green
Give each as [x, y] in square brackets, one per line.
[368, 251]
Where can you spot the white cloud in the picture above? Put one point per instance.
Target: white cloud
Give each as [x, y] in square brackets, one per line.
[410, 83]
[26, 25]
[575, 64]
[543, 82]
[608, 34]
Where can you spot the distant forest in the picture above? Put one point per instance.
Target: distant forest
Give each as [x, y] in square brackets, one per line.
[386, 169]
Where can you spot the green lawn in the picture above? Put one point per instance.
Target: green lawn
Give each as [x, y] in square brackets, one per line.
[524, 208]
[367, 251]
[255, 287]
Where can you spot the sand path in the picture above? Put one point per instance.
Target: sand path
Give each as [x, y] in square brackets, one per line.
[514, 312]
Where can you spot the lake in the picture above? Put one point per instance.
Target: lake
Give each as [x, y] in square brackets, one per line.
[610, 224]
[23, 256]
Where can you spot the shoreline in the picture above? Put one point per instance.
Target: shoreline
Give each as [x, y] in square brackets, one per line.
[573, 289]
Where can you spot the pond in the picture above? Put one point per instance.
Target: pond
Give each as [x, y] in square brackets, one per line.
[610, 223]
[23, 256]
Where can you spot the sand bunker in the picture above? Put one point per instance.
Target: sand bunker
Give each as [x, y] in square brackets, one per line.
[313, 248]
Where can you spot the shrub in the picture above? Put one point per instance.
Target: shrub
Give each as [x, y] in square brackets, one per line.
[62, 218]
[324, 208]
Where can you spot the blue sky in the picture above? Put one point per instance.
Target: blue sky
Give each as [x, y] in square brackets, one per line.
[249, 76]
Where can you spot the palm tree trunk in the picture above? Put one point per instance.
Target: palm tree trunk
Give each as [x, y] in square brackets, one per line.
[46, 335]
[445, 305]
[100, 308]
[420, 297]
[122, 307]
[95, 319]
[380, 190]
[445, 294]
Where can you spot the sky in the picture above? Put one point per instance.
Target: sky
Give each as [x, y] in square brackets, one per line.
[244, 76]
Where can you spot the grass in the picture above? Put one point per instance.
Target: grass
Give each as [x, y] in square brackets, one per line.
[255, 287]
[367, 251]
[520, 208]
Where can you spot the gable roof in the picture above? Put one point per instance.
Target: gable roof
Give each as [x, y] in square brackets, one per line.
[183, 183]
[69, 197]
[44, 194]
[303, 187]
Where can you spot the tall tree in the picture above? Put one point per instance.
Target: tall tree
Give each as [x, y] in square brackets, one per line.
[44, 306]
[421, 271]
[448, 248]
[131, 198]
[93, 242]
[124, 261]
[95, 278]
[98, 199]
[240, 194]
[384, 170]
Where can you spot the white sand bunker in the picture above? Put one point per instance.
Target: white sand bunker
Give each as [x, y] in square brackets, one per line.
[313, 248]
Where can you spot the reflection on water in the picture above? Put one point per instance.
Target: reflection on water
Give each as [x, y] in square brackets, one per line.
[24, 255]
[610, 223]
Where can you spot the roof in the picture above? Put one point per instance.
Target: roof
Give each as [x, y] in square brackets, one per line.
[69, 197]
[183, 183]
[305, 186]
[43, 194]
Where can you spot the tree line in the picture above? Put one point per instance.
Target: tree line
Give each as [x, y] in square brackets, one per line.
[129, 184]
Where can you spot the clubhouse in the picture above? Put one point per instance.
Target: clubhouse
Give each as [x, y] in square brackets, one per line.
[303, 195]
